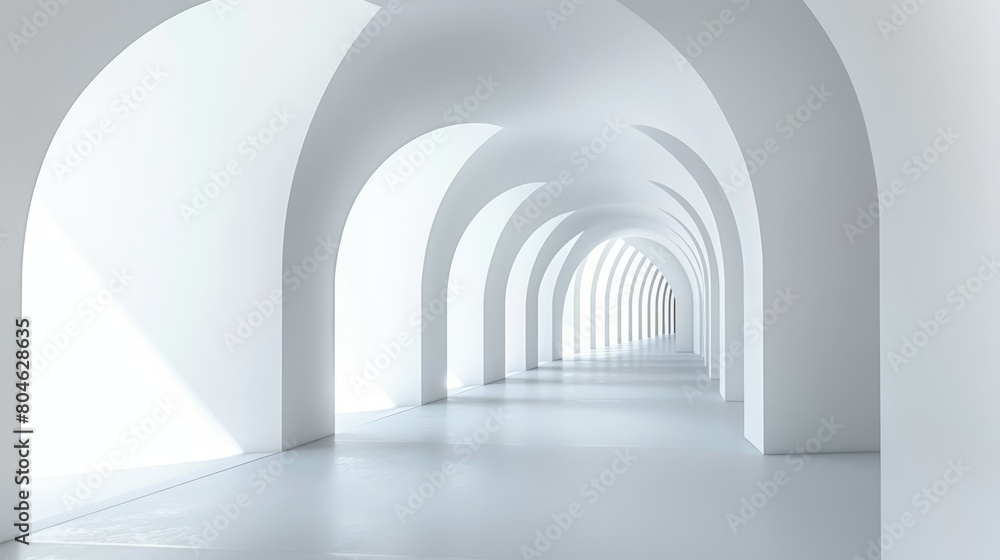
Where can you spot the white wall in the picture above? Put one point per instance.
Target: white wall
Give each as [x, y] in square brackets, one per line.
[599, 287]
[939, 70]
[517, 294]
[140, 227]
[616, 286]
[469, 270]
[37, 116]
[689, 312]
[381, 315]
[763, 67]
[362, 101]
[775, 30]
[546, 324]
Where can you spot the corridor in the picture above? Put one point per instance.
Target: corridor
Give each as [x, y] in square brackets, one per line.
[620, 453]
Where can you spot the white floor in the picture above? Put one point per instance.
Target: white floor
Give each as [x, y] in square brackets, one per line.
[58, 499]
[550, 451]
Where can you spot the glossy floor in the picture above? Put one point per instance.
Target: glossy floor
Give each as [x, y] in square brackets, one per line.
[616, 455]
